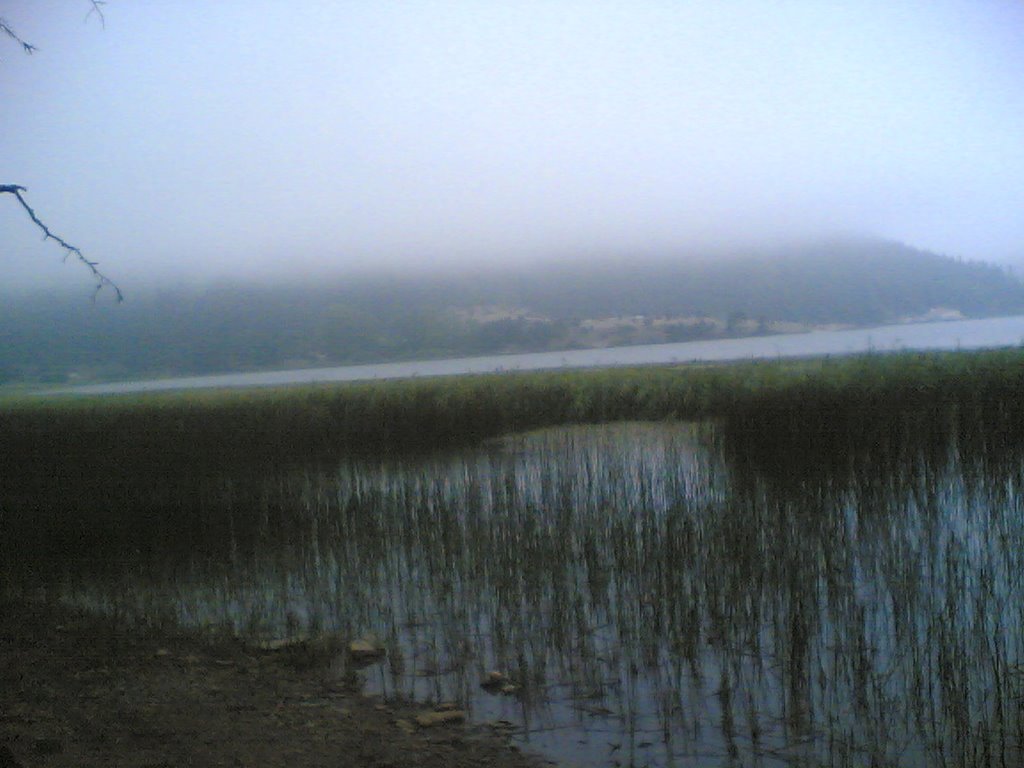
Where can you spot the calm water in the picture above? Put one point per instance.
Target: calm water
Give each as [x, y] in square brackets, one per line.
[661, 595]
[963, 334]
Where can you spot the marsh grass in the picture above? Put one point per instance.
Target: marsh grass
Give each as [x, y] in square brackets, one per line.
[172, 429]
[87, 475]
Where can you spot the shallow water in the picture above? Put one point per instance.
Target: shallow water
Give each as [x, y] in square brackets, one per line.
[661, 594]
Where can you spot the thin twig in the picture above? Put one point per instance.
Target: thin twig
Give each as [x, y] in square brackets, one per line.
[97, 8]
[6, 29]
[70, 250]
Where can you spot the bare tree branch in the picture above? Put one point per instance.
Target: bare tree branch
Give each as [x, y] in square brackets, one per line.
[5, 28]
[97, 8]
[70, 250]
[16, 190]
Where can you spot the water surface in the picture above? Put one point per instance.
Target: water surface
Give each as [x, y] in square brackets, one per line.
[660, 594]
[961, 334]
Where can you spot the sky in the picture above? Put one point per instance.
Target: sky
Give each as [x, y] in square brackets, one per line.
[193, 140]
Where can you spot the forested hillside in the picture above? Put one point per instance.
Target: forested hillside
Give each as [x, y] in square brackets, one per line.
[615, 301]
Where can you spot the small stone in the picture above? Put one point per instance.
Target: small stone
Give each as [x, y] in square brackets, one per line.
[446, 706]
[433, 719]
[508, 689]
[280, 643]
[494, 681]
[162, 653]
[365, 650]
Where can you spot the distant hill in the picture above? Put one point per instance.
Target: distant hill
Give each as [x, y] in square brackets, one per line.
[616, 301]
[847, 281]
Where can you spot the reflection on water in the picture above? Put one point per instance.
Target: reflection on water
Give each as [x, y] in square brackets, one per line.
[658, 594]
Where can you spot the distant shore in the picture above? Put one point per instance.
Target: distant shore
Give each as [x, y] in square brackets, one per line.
[923, 336]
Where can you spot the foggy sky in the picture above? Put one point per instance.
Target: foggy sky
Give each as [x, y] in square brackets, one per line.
[257, 138]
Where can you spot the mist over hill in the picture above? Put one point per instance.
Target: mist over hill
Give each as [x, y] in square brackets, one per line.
[614, 301]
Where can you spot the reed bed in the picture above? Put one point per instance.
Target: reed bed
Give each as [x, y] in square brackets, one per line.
[87, 473]
[300, 421]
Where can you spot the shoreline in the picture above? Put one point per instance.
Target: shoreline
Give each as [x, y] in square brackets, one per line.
[77, 689]
[912, 336]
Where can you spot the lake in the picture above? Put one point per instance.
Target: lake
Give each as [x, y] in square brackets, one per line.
[960, 334]
[661, 594]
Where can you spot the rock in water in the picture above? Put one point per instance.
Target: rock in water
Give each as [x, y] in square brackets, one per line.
[366, 649]
[448, 717]
[281, 644]
[494, 682]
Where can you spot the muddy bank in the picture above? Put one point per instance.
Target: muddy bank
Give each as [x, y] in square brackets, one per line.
[76, 690]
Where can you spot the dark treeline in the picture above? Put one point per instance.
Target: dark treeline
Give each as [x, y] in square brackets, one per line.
[252, 327]
[848, 281]
[72, 467]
